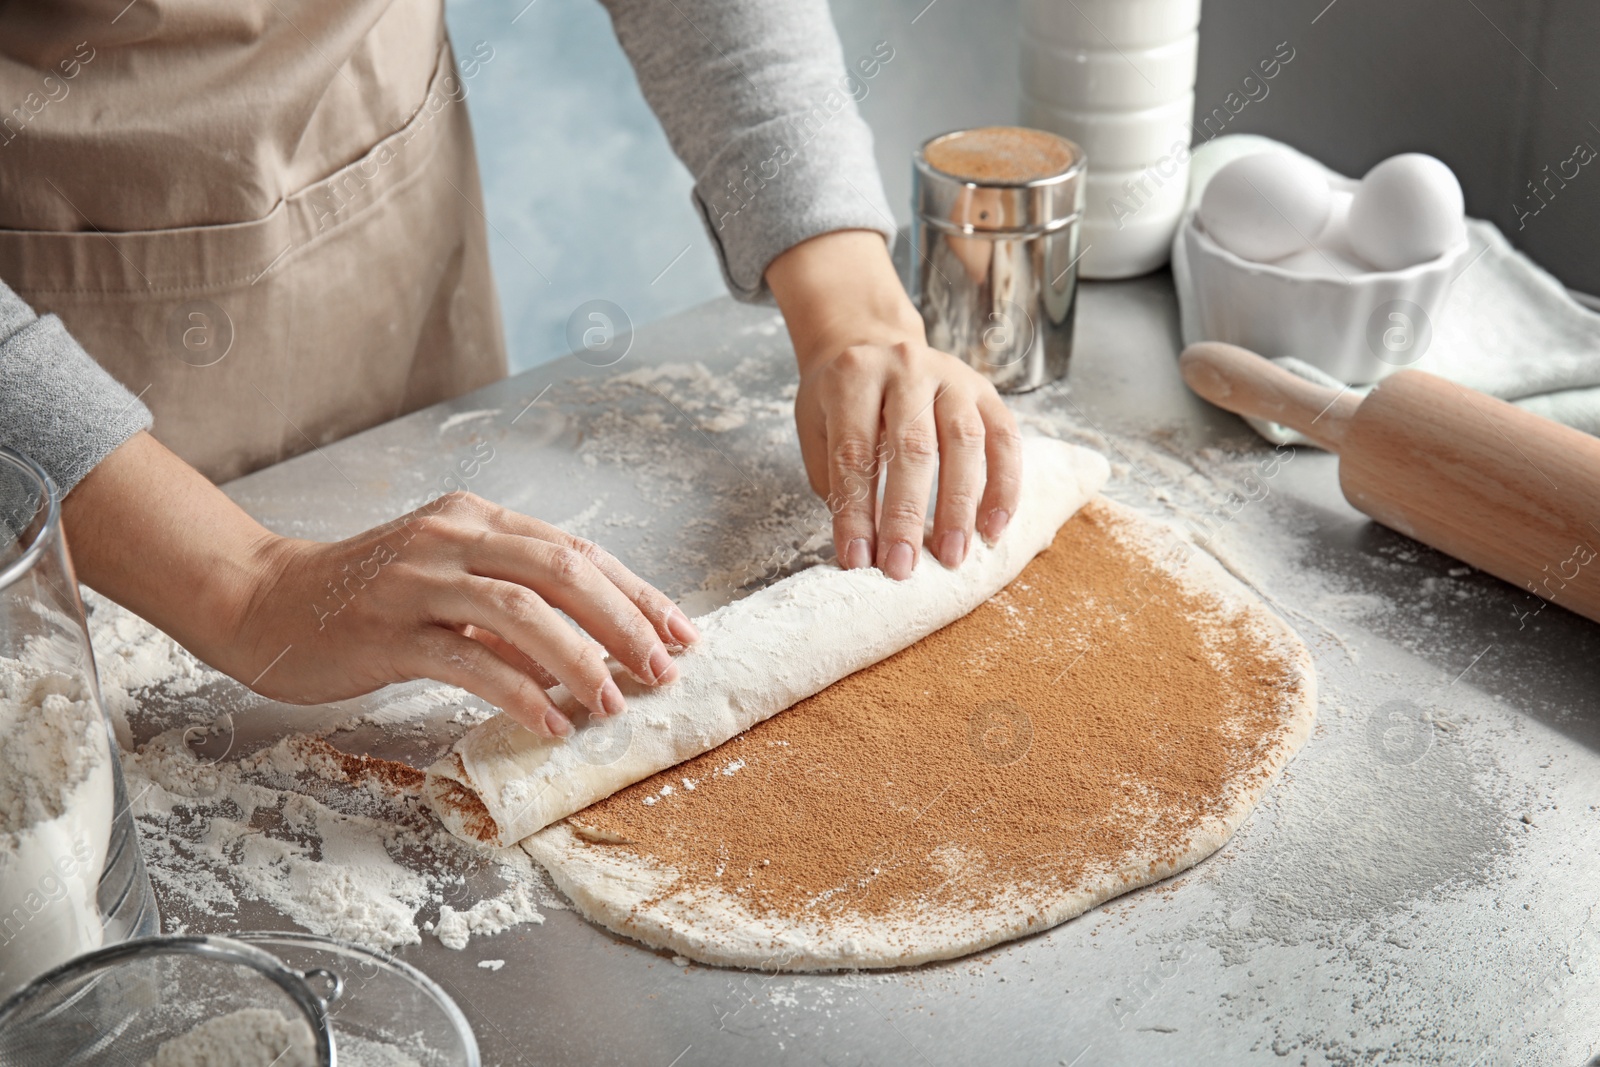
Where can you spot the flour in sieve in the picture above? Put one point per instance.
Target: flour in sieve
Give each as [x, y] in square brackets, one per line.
[250, 1037]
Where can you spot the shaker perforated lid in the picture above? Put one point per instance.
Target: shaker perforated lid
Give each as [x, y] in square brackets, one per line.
[999, 179]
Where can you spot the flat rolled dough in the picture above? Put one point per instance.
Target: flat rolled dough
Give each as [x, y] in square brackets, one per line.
[640, 897]
[757, 656]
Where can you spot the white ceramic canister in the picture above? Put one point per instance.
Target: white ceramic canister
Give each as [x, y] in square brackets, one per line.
[1117, 78]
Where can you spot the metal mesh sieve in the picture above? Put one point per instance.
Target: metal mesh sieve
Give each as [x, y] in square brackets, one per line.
[148, 1002]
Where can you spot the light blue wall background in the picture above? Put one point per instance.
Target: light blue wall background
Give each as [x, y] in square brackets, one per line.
[583, 190]
[586, 200]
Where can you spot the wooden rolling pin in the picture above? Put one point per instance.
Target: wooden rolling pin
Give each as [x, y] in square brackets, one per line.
[1503, 489]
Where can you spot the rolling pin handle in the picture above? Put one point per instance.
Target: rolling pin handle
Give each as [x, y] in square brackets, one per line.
[1242, 382]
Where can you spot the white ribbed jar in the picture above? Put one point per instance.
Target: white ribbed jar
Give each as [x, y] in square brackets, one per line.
[1117, 77]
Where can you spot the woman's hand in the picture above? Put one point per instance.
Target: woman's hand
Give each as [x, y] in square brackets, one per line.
[874, 398]
[461, 591]
[465, 592]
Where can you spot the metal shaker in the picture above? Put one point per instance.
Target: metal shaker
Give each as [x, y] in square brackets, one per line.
[995, 253]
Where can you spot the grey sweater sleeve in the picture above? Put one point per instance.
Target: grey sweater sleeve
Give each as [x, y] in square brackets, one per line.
[58, 407]
[757, 102]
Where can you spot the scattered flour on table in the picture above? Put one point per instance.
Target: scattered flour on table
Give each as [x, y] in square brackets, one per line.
[362, 871]
[679, 431]
[356, 857]
[462, 417]
[1383, 838]
[581, 524]
[250, 1037]
[517, 905]
[130, 655]
[407, 703]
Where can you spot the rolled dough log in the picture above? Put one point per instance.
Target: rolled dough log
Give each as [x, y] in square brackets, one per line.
[756, 657]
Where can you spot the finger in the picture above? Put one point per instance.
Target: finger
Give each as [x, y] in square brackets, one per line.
[569, 579]
[811, 430]
[854, 414]
[448, 657]
[521, 617]
[961, 474]
[671, 625]
[1003, 451]
[913, 437]
[510, 653]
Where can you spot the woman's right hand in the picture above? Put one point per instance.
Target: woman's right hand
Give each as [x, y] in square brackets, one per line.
[461, 590]
[465, 592]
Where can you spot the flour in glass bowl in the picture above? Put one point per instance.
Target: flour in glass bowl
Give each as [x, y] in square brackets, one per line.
[56, 790]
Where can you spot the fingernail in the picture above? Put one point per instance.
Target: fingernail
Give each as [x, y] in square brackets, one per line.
[679, 626]
[995, 524]
[557, 722]
[952, 548]
[611, 699]
[662, 669]
[857, 554]
[901, 560]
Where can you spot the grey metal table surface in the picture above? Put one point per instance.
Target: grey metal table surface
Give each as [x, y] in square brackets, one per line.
[1420, 887]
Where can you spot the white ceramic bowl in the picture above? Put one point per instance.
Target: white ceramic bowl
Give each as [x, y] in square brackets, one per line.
[1360, 327]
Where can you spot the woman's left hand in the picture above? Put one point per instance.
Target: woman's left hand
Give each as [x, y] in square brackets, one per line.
[875, 400]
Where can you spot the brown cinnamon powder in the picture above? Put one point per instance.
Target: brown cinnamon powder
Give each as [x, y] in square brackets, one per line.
[391, 776]
[476, 822]
[1092, 710]
[1001, 155]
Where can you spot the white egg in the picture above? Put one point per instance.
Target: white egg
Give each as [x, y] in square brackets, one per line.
[1407, 210]
[1264, 207]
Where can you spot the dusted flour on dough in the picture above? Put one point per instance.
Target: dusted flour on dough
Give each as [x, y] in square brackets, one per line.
[756, 657]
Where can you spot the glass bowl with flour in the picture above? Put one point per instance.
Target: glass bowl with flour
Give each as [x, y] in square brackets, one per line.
[256, 999]
[71, 876]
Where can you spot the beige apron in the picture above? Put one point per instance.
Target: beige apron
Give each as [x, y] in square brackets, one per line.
[263, 217]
